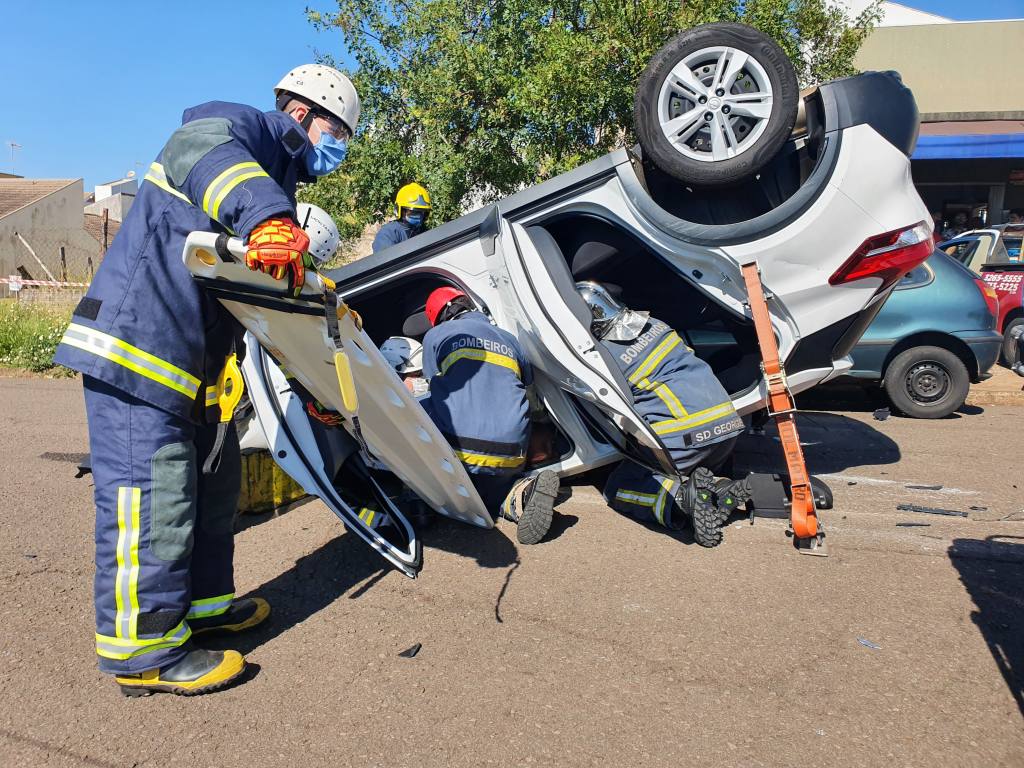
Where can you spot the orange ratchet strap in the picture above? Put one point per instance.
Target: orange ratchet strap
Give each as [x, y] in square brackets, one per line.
[781, 406]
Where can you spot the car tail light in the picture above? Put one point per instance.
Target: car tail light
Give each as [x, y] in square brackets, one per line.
[888, 256]
[991, 297]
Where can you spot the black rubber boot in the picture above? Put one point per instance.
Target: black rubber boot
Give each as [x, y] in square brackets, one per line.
[696, 497]
[530, 505]
[730, 495]
[199, 672]
[242, 615]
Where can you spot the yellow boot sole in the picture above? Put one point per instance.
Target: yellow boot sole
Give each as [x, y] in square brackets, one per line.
[148, 683]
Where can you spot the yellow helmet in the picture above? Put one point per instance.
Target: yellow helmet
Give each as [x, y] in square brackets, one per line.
[412, 196]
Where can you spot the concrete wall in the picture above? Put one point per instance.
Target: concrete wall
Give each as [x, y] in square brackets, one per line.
[965, 70]
[118, 205]
[54, 221]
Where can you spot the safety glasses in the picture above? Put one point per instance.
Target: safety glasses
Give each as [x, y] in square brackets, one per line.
[335, 127]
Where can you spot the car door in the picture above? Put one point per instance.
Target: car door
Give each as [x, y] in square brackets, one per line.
[387, 424]
[539, 304]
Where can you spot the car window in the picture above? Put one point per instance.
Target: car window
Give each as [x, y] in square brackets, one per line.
[1012, 245]
[961, 250]
[915, 278]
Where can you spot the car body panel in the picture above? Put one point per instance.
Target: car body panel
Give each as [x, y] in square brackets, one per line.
[936, 300]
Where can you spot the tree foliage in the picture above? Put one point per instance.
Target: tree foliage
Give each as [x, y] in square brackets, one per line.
[478, 98]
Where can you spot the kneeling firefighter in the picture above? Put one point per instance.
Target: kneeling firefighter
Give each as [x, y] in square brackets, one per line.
[678, 395]
[479, 378]
[412, 207]
[152, 345]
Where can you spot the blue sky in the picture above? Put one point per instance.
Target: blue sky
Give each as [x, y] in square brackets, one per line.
[93, 89]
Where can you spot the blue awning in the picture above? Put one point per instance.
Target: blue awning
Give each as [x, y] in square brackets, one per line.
[969, 147]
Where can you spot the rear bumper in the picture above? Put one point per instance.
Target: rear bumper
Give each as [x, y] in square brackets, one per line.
[986, 346]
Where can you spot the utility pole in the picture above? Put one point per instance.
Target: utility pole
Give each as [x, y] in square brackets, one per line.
[14, 146]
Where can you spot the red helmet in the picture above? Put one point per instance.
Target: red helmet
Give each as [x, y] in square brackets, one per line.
[440, 298]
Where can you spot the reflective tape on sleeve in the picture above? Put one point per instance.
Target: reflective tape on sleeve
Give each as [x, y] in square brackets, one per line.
[226, 181]
[131, 357]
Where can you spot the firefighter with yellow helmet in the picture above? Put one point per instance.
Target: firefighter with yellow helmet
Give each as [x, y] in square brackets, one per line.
[412, 207]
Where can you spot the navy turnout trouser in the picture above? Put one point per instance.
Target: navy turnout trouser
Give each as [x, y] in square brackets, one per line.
[164, 531]
[648, 496]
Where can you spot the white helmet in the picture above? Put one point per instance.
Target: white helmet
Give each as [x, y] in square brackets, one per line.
[325, 87]
[404, 354]
[324, 238]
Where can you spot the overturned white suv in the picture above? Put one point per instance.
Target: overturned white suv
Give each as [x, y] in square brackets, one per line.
[732, 167]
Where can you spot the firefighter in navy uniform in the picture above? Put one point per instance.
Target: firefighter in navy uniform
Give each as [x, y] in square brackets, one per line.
[678, 395]
[151, 346]
[479, 378]
[412, 207]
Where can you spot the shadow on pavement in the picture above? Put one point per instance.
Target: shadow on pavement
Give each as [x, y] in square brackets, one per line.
[490, 548]
[832, 443]
[314, 582]
[992, 571]
[861, 399]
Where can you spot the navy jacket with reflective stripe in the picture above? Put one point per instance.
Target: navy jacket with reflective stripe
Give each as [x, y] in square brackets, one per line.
[675, 391]
[478, 378]
[392, 233]
[145, 327]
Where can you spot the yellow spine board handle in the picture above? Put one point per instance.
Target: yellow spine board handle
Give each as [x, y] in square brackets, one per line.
[230, 388]
[343, 367]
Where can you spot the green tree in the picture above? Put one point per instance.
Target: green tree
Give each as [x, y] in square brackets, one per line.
[478, 98]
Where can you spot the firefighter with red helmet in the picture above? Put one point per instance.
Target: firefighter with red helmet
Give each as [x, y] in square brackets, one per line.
[479, 378]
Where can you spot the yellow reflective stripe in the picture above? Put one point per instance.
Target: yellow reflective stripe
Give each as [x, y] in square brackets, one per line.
[695, 420]
[211, 397]
[657, 355]
[210, 606]
[121, 352]
[481, 355]
[635, 497]
[663, 494]
[482, 460]
[220, 177]
[367, 515]
[126, 584]
[667, 396]
[157, 176]
[226, 181]
[125, 648]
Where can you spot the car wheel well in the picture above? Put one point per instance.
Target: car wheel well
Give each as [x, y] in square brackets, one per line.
[1012, 315]
[934, 339]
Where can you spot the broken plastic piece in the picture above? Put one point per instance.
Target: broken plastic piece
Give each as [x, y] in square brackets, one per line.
[411, 651]
[930, 510]
[924, 487]
[913, 525]
[881, 414]
[868, 644]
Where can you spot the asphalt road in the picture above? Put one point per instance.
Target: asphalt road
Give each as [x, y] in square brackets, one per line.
[609, 644]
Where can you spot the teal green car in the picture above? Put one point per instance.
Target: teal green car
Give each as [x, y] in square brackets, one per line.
[935, 335]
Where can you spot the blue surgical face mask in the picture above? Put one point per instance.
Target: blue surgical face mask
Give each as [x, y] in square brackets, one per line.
[415, 219]
[326, 155]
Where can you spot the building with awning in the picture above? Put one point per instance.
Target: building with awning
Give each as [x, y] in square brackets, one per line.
[969, 86]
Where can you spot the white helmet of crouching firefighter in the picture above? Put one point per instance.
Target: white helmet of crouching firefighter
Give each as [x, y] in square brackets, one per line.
[404, 354]
[610, 319]
[324, 237]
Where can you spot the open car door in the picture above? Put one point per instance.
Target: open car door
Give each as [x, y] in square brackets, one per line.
[343, 370]
[539, 304]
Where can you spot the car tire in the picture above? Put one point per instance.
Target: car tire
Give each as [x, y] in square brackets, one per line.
[927, 382]
[1011, 352]
[757, 128]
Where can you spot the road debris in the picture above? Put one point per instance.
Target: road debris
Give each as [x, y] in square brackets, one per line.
[913, 525]
[930, 510]
[881, 414]
[411, 651]
[979, 509]
[868, 644]
[924, 487]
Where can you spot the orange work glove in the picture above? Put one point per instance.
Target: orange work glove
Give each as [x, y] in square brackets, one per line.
[323, 415]
[278, 247]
